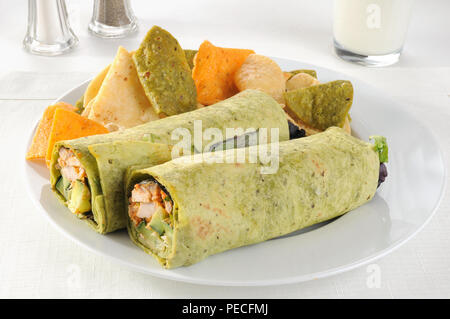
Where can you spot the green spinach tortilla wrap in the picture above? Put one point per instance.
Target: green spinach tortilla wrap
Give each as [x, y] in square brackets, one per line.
[183, 211]
[87, 173]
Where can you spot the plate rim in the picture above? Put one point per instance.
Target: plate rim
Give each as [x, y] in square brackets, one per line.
[167, 274]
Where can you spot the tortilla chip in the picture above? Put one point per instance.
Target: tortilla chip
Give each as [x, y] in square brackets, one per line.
[94, 87]
[323, 105]
[313, 73]
[300, 81]
[39, 146]
[259, 72]
[190, 55]
[68, 125]
[291, 116]
[121, 99]
[87, 108]
[165, 74]
[287, 75]
[347, 126]
[79, 105]
[214, 70]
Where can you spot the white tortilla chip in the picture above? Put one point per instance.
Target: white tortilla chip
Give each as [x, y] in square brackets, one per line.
[94, 86]
[88, 108]
[301, 80]
[121, 99]
[347, 126]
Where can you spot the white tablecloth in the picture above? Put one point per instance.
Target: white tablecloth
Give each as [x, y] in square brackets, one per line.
[37, 261]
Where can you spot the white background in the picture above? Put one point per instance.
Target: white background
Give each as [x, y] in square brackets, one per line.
[37, 261]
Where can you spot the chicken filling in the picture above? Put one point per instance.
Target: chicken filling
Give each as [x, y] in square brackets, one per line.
[150, 209]
[73, 183]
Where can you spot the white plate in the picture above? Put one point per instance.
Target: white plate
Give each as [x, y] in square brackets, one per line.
[401, 207]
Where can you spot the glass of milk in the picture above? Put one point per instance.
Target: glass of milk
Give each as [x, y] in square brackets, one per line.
[371, 32]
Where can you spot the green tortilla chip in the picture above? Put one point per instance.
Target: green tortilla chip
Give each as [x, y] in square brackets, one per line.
[80, 105]
[165, 74]
[190, 55]
[313, 73]
[322, 106]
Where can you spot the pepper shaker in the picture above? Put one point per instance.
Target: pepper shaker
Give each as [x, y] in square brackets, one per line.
[112, 19]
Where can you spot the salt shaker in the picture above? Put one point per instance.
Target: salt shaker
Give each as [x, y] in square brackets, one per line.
[48, 31]
[112, 19]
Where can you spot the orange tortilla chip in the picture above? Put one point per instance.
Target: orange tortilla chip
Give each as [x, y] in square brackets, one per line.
[213, 72]
[69, 125]
[39, 146]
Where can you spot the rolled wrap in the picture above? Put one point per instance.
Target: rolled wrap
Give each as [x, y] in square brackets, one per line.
[106, 157]
[218, 206]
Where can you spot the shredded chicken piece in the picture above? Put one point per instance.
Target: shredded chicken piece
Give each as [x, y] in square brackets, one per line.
[146, 210]
[168, 206]
[72, 173]
[140, 194]
[167, 202]
[132, 211]
[146, 192]
[146, 198]
[70, 165]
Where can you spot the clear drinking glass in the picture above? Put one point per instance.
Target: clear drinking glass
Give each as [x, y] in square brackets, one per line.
[48, 31]
[112, 19]
[371, 32]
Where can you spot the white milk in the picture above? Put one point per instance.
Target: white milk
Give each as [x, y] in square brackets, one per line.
[371, 27]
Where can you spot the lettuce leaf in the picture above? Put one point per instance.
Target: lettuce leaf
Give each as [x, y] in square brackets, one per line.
[380, 146]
